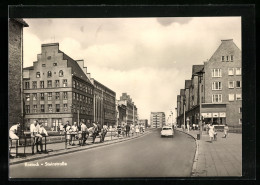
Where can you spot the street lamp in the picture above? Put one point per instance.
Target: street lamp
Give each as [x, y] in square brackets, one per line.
[200, 75]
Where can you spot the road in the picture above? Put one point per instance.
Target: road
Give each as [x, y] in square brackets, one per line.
[147, 156]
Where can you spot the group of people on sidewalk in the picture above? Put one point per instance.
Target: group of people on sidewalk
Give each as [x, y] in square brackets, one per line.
[127, 130]
[213, 134]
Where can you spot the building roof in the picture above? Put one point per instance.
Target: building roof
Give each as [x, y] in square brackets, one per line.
[178, 98]
[76, 69]
[111, 91]
[21, 21]
[187, 84]
[197, 68]
[28, 68]
[182, 92]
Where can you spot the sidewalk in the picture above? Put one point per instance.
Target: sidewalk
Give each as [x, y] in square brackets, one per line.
[221, 158]
[59, 148]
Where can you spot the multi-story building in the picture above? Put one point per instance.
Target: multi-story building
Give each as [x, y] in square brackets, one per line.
[143, 122]
[121, 114]
[216, 89]
[15, 67]
[131, 109]
[157, 119]
[104, 100]
[56, 89]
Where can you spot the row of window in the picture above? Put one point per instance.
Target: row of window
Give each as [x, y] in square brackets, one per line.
[57, 109]
[49, 84]
[82, 98]
[82, 87]
[231, 72]
[49, 73]
[217, 98]
[227, 58]
[231, 85]
[49, 96]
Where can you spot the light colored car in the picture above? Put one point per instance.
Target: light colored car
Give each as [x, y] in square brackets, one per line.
[167, 131]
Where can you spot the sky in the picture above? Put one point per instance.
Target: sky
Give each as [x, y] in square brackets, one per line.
[147, 58]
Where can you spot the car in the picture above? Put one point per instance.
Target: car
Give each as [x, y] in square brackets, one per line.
[167, 131]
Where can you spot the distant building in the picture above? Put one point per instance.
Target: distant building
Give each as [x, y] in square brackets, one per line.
[220, 81]
[143, 122]
[15, 67]
[56, 90]
[131, 109]
[157, 119]
[121, 114]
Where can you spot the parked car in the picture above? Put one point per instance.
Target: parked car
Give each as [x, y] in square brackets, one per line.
[167, 131]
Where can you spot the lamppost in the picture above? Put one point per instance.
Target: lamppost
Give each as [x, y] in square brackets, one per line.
[200, 75]
[184, 103]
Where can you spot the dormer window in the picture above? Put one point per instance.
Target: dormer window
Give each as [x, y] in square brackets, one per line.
[60, 73]
[54, 64]
[231, 58]
[38, 75]
[49, 74]
[227, 58]
[223, 58]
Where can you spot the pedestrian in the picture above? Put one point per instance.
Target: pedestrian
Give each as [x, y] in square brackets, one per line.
[61, 129]
[226, 131]
[95, 132]
[132, 129]
[119, 129]
[127, 130]
[104, 132]
[188, 127]
[74, 132]
[84, 133]
[193, 126]
[211, 132]
[36, 137]
[13, 132]
[68, 134]
[137, 129]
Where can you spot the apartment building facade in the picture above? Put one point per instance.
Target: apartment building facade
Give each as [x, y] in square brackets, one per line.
[56, 90]
[157, 119]
[131, 108]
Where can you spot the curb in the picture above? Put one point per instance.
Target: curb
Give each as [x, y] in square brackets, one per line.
[77, 150]
[195, 159]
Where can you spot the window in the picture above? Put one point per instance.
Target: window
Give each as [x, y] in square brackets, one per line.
[240, 121]
[77, 96]
[65, 83]
[65, 106]
[216, 98]
[49, 96]
[231, 58]
[230, 71]
[65, 95]
[83, 98]
[91, 101]
[87, 90]
[238, 84]
[56, 122]
[34, 96]
[80, 86]
[57, 107]
[27, 85]
[43, 65]
[86, 99]
[74, 84]
[216, 73]
[49, 74]
[238, 97]
[231, 97]
[74, 96]
[42, 96]
[238, 71]
[49, 57]
[34, 108]
[223, 58]
[27, 109]
[231, 84]
[27, 97]
[49, 83]
[50, 107]
[34, 84]
[38, 75]
[60, 73]
[80, 97]
[240, 110]
[77, 86]
[227, 58]
[57, 95]
[216, 86]
[42, 108]
[42, 84]
[57, 83]
[54, 64]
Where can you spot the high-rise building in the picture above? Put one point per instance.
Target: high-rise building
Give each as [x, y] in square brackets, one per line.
[131, 109]
[157, 119]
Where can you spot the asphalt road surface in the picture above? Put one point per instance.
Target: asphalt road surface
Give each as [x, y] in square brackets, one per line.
[147, 156]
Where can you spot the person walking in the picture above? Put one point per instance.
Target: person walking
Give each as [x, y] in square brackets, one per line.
[226, 131]
[95, 132]
[137, 129]
[211, 132]
[84, 132]
[132, 129]
[119, 129]
[103, 132]
[127, 130]
[37, 138]
[74, 132]
[68, 134]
